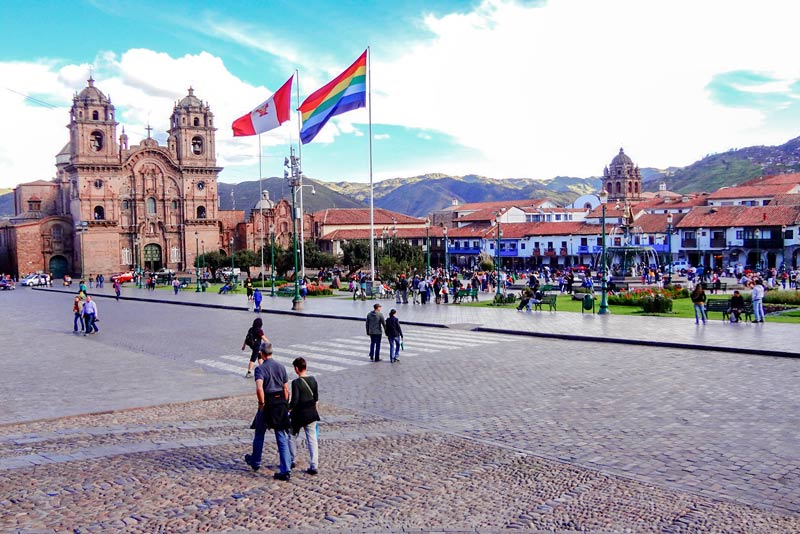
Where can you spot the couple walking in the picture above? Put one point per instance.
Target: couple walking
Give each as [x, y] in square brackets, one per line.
[376, 325]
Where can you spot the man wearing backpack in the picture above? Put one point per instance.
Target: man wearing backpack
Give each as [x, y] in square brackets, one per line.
[253, 339]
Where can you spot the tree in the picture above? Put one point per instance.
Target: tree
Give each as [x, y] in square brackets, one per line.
[316, 258]
[355, 254]
[244, 259]
[212, 260]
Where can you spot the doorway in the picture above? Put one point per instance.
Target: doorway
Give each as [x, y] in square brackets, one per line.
[57, 267]
[152, 257]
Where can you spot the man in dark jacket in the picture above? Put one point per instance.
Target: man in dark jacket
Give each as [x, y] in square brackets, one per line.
[395, 334]
[376, 324]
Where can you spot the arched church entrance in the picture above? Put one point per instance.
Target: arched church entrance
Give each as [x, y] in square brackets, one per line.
[57, 267]
[152, 257]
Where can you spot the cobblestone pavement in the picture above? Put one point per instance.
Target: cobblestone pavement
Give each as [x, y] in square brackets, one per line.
[703, 427]
[770, 338]
[178, 468]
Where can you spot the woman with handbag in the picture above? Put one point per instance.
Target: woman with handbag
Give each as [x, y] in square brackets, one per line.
[304, 415]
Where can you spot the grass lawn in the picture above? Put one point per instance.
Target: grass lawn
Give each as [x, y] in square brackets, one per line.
[680, 308]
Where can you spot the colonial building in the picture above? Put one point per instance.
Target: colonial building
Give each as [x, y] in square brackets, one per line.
[113, 207]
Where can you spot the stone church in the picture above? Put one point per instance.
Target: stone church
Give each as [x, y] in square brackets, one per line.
[623, 179]
[113, 207]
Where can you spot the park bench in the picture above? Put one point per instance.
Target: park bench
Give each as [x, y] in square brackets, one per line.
[285, 291]
[724, 305]
[550, 300]
[708, 286]
[464, 293]
[185, 281]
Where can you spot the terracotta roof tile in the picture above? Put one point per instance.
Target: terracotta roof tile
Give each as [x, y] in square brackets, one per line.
[740, 216]
[791, 199]
[755, 191]
[497, 204]
[361, 216]
[774, 179]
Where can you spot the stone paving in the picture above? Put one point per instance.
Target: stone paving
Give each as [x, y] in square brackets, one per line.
[178, 468]
[763, 338]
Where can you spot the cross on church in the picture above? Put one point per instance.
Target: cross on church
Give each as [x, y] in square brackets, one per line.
[149, 129]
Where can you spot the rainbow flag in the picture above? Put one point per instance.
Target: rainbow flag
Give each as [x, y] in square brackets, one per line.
[346, 92]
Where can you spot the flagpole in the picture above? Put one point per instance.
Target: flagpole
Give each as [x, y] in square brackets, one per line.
[261, 209]
[300, 157]
[371, 190]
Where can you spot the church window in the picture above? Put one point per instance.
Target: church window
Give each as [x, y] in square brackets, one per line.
[636, 188]
[174, 205]
[96, 141]
[98, 184]
[201, 212]
[609, 188]
[630, 187]
[126, 258]
[125, 204]
[151, 206]
[196, 121]
[34, 205]
[619, 187]
[95, 116]
[174, 254]
[58, 233]
[197, 145]
[99, 213]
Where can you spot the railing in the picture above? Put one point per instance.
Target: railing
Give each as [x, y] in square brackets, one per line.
[763, 243]
[583, 249]
[718, 243]
[689, 243]
[537, 252]
[563, 252]
[550, 252]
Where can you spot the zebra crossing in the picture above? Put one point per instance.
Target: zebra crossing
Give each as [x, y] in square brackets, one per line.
[338, 354]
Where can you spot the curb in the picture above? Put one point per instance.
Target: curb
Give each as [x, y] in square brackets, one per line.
[546, 335]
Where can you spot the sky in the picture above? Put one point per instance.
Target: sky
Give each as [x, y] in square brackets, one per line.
[500, 88]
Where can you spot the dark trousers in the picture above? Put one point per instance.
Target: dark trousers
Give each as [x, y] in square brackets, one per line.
[89, 319]
[375, 346]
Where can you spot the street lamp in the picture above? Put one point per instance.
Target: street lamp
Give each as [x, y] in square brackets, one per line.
[669, 248]
[758, 250]
[81, 227]
[197, 260]
[428, 246]
[603, 288]
[203, 263]
[232, 252]
[293, 173]
[497, 255]
[783, 248]
[136, 245]
[264, 194]
[446, 262]
[272, 256]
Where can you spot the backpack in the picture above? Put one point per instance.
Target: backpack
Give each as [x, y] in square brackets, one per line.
[250, 340]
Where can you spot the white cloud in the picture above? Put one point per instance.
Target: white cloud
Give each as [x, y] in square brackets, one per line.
[381, 137]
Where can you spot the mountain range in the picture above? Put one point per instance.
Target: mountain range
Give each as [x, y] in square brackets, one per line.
[421, 195]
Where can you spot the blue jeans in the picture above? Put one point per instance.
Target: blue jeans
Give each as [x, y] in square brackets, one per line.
[89, 319]
[394, 348]
[699, 312]
[282, 438]
[375, 346]
[758, 310]
[78, 321]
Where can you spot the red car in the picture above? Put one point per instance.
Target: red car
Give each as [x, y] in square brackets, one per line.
[122, 277]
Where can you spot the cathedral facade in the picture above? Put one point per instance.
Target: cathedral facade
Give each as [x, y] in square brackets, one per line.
[114, 207]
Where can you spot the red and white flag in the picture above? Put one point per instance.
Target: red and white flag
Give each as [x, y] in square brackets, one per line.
[267, 116]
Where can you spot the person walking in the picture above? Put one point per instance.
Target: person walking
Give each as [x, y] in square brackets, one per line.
[699, 300]
[90, 316]
[395, 335]
[176, 285]
[376, 324]
[758, 301]
[257, 298]
[77, 311]
[248, 285]
[415, 289]
[304, 415]
[117, 290]
[253, 339]
[82, 288]
[272, 392]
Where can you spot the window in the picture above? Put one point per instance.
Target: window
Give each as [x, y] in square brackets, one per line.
[584, 241]
[96, 141]
[619, 187]
[201, 212]
[34, 205]
[788, 234]
[125, 256]
[512, 246]
[151, 206]
[491, 246]
[558, 217]
[197, 145]
[58, 233]
[174, 205]
[98, 184]
[475, 244]
[196, 121]
[99, 213]
[174, 254]
[563, 244]
[689, 234]
[125, 205]
[95, 116]
[739, 234]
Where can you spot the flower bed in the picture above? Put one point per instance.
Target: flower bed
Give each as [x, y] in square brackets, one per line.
[313, 290]
[635, 297]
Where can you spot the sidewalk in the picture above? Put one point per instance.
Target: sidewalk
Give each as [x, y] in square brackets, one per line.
[768, 339]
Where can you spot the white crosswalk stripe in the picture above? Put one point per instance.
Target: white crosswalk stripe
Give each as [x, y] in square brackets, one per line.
[339, 354]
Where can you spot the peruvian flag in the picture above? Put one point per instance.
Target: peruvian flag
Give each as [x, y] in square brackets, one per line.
[267, 116]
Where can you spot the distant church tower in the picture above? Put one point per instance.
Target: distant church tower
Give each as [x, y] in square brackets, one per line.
[622, 179]
[92, 128]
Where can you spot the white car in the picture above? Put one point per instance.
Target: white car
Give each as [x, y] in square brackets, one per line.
[35, 280]
[681, 265]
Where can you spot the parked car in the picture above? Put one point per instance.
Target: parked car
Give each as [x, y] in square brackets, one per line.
[122, 277]
[7, 284]
[36, 279]
[163, 274]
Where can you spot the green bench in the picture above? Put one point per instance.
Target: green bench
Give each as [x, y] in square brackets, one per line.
[708, 286]
[185, 281]
[550, 300]
[724, 305]
[285, 291]
[464, 293]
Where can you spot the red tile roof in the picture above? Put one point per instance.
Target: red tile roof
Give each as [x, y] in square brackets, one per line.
[656, 223]
[497, 204]
[754, 191]
[402, 233]
[734, 216]
[774, 179]
[487, 214]
[361, 216]
[792, 199]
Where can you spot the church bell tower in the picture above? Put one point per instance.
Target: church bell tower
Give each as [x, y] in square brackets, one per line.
[191, 133]
[92, 127]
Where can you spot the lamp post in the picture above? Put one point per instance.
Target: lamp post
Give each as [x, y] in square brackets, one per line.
[136, 244]
[497, 255]
[669, 248]
[81, 227]
[758, 250]
[428, 247]
[232, 252]
[203, 263]
[783, 248]
[292, 173]
[446, 261]
[272, 257]
[197, 260]
[603, 288]
[264, 193]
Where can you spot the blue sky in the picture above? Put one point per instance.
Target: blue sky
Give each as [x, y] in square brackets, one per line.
[495, 87]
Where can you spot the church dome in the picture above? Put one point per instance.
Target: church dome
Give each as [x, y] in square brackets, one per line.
[190, 101]
[621, 159]
[92, 94]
